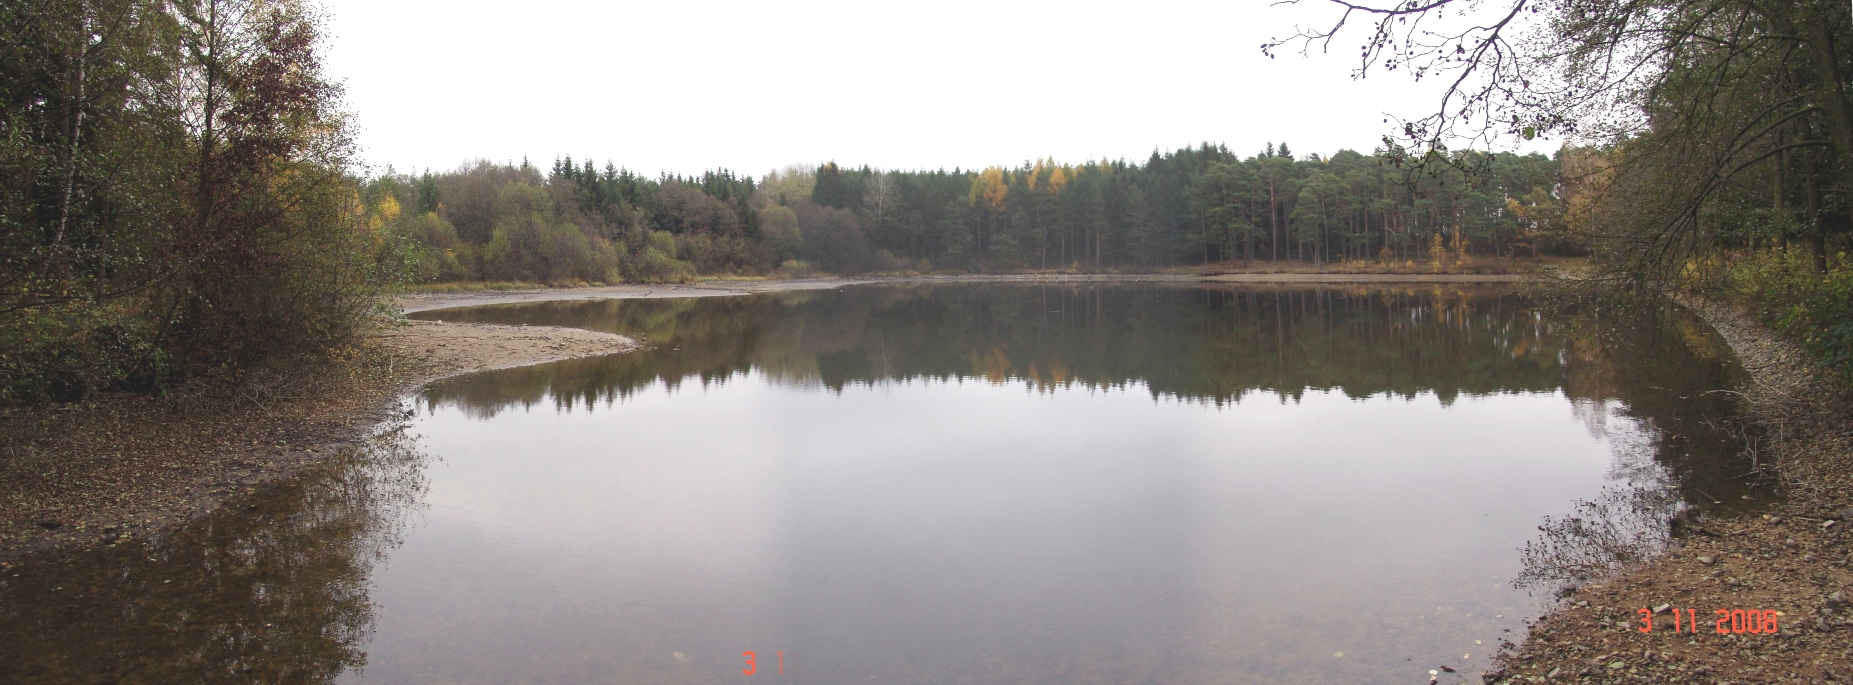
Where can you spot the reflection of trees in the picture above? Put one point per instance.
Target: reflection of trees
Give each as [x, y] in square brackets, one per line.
[1209, 344]
[1655, 368]
[273, 589]
[1638, 378]
[1622, 526]
[1643, 383]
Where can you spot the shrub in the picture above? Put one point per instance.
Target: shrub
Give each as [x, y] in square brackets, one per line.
[832, 238]
[66, 353]
[140, 248]
[653, 263]
[1814, 309]
[794, 269]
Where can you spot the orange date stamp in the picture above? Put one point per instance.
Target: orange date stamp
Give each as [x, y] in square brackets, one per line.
[752, 663]
[1723, 621]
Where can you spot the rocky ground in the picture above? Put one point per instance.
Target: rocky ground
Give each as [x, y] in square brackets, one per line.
[1786, 563]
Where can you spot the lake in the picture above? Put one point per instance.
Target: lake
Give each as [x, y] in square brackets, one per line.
[971, 483]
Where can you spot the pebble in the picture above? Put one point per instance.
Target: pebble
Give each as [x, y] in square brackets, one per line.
[1707, 561]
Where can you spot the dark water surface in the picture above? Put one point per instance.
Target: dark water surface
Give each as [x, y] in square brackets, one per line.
[926, 484]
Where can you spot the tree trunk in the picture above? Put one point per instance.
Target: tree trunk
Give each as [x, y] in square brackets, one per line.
[1779, 197]
[1248, 238]
[76, 108]
[1817, 232]
[1839, 115]
[1273, 223]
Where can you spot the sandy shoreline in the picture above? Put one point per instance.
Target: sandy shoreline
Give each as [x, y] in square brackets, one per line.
[451, 348]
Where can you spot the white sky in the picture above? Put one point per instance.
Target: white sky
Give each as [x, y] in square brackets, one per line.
[685, 86]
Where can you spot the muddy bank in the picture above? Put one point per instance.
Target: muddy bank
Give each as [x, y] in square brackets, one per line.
[1786, 559]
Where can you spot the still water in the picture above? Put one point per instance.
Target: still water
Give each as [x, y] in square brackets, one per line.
[944, 484]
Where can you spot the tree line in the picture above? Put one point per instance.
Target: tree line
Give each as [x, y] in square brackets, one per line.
[1194, 343]
[179, 195]
[1196, 206]
[1735, 180]
[1719, 134]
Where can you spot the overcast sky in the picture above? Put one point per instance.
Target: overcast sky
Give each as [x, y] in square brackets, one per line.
[752, 86]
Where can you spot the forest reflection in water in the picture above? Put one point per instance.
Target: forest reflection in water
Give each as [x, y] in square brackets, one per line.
[271, 589]
[1661, 366]
[988, 483]
[930, 482]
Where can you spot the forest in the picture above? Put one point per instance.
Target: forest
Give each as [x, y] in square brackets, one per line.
[182, 197]
[1716, 153]
[578, 222]
[177, 197]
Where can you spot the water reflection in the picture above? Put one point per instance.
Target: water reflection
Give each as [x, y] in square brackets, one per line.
[1624, 525]
[272, 589]
[1039, 484]
[1215, 345]
[1209, 344]
[942, 484]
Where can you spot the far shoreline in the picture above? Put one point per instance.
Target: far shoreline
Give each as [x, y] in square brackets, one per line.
[429, 301]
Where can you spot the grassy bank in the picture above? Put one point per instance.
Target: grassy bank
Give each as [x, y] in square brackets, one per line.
[1807, 302]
